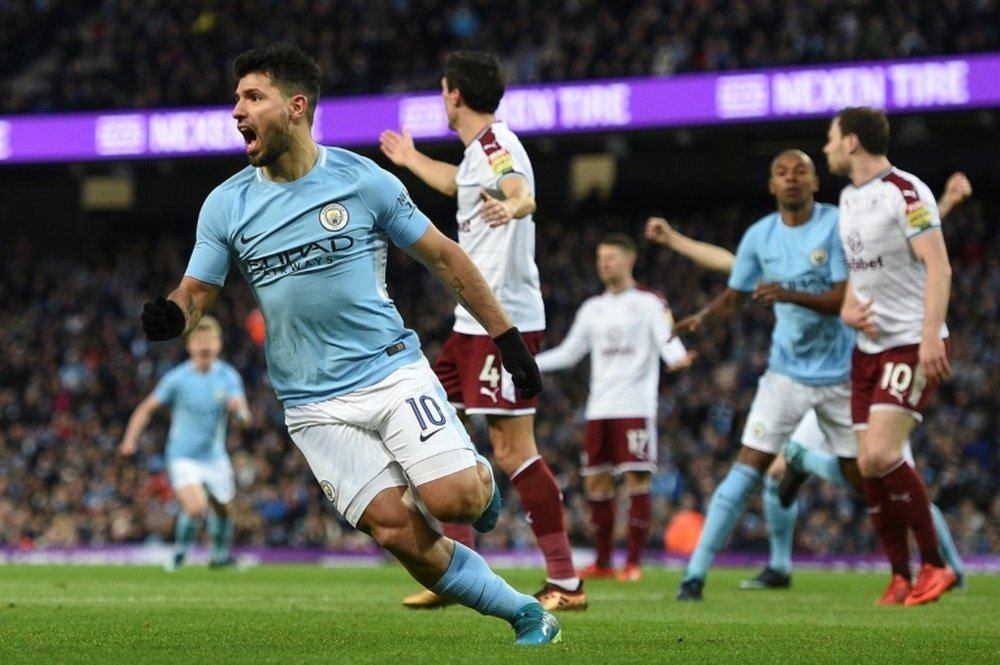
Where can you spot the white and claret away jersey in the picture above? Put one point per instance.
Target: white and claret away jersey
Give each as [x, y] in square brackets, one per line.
[877, 222]
[198, 409]
[314, 253]
[504, 254]
[626, 335]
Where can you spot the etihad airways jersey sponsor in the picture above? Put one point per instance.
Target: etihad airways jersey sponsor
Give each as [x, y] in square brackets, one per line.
[504, 254]
[878, 220]
[314, 253]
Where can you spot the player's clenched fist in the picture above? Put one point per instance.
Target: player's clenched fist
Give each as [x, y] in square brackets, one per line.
[162, 319]
[516, 357]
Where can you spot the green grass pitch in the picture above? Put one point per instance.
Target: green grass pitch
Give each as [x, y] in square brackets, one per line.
[311, 614]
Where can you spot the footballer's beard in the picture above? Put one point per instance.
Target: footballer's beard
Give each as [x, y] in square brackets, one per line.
[274, 145]
[838, 168]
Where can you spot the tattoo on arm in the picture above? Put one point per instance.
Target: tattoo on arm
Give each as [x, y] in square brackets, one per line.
[458, 290]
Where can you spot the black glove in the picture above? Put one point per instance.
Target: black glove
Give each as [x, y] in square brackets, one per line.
[162, 319]
[516, 357]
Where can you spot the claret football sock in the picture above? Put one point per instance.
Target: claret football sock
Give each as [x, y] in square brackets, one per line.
[541, 499]
[890, 526]
[640, 514]
[905, 488]
[460, 533]
[602, 524]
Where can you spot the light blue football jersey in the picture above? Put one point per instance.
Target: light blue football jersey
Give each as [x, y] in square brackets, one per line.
[314, 253]
[807, 346]
[198, 415]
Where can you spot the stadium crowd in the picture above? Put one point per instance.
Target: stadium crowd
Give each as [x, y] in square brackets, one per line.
[76, 363]
[99, 54]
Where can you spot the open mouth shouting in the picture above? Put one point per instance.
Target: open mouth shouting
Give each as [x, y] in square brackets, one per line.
[250, 138]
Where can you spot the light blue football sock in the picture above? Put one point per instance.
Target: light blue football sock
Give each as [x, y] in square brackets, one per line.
[948, 548]
[185, 533]
[727, 505]
[820, 464]
[221, 532]
[780, 527]
[470, 582]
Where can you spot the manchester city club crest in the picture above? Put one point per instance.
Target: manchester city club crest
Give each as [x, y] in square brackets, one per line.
[333, 217]
[818, 257]
[328, 490]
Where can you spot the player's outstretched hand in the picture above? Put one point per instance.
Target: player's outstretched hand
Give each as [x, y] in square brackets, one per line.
[684, 362]
[397, 147]
[162, 319]
[516, 357]
[958, 188]
[658, 230]
[687, 324]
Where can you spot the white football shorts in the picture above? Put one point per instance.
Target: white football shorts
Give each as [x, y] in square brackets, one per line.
[398, 431]
[215, 476]
[783, 405]
[811, 436]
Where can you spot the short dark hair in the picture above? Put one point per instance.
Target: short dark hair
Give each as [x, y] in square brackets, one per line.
[479, 76]
[619, 240]
[870, 126]
[290, 69]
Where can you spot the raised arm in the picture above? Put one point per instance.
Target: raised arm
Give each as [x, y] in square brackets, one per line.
[571, 350]
[957, 189]
[706, 255]
[399, 148]
[721, 306]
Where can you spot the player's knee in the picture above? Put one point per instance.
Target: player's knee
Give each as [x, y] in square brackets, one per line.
[877, 462]
[461, 505]
[195, 510]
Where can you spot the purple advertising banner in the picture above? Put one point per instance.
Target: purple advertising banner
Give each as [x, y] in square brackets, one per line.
[938, 84]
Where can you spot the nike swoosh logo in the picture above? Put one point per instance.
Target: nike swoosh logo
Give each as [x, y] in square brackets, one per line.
[424, 437]
[246, 241]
